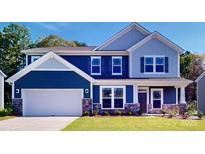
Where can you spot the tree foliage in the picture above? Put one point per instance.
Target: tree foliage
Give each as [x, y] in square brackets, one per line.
[191, 68]
[54, 40]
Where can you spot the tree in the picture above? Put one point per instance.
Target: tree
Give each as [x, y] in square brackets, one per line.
[54, 40]
[191, 68]
[13, 39]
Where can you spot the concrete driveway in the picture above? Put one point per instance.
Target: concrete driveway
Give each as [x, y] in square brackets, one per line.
[35, 123]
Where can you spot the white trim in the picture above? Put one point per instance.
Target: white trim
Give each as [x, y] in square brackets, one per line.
[13, 85]
[22, 94]
[130, 65]
[34, 57]
[121, 33]
[177, 88]
[2, 92]
[26, 60]
[1, 73]
[161, 38]
[117, 57]
[78, 53]
[161, 99]
[154, 64]
[44, 58]
[146, 89]
[43, 69]
[200, 77]
[178, 65]
[91, 65]
[112, 97]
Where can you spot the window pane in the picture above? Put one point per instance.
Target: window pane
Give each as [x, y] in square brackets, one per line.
[148, 60]
[149, 68]
[118, 103]
[106, 103]
[117, 61]
[159, 60]
[106, 92]
[156, 94]
[116, 69]
[157, 104]
[159, 68]
[118, 92]
[96, 69]
[96, 61]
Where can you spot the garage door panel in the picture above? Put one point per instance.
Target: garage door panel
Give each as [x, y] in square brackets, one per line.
[55, 102]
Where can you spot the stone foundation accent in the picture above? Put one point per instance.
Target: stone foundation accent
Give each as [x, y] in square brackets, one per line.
[129, 109]
[87, 106]
[180, 108]
[17, 106]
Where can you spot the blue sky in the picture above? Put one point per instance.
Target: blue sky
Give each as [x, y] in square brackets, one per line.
[190, 36]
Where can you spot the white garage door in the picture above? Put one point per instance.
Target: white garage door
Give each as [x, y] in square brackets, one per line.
[52, 102]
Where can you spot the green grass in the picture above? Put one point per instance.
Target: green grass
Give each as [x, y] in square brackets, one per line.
[134, 124]
[6, 117]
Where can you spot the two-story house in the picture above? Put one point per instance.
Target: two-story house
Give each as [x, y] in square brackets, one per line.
[133, 70]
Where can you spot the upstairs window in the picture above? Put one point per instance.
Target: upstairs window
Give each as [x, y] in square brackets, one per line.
[95, 65]
[116, 65]
[154, 64]
[34, 58]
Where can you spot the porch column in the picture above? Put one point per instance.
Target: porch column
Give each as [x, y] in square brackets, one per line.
[182, 95]
[177, 100]
[136, 93]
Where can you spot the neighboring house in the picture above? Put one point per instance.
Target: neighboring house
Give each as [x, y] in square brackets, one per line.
[2, 76]
[133, 70]
[200, 93]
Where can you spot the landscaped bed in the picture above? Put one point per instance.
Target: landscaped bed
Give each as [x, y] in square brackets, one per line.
[131, 123]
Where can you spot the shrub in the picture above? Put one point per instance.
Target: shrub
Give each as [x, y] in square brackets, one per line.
[95, 113]
[192, 108]
[118, 112]
[4, 112]
[86, 113]
[163, 112]
[199, 114]
[130, 113]
[185, 115]
[106, 113]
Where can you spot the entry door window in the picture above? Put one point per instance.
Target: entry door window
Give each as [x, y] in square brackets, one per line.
[157, 98]
[112, 97]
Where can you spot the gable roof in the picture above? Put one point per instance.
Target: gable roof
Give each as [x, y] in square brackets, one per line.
[160, 37]
[201, 76]
[122, 32]
[44, 58]
[1, 73]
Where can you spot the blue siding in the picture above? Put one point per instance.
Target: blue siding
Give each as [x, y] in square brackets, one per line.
[96, 94]
[169, 95]
[84, 63]
[52, 79]
[129, 94]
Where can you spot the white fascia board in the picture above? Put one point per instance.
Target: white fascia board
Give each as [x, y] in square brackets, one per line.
[161, 38]
[122, 32]
[4, 75]
[199, 78]
[41, 60]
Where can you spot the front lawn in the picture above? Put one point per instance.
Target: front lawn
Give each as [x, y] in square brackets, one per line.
[134, 124]
[5, 118]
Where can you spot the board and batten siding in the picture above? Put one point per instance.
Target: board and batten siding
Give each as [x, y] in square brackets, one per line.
[154, 47]
[201, 95]
[52, 80]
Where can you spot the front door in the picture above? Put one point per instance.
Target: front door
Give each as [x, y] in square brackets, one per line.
[142, 98]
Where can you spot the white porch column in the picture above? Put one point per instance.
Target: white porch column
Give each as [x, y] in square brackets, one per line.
[177, 100]
[182, 95]
[136, 93]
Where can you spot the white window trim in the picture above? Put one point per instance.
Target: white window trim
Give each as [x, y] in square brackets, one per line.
[34, 57]
[95, 57]
[154, 64]
[117, 57]
[162, 97]
[112, 97]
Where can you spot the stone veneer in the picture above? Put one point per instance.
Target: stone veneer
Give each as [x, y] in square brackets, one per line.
[17, 106]
[87, 106]
[130, 108]
[168, 108]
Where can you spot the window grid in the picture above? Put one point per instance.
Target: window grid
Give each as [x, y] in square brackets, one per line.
[95, 65]
[154, 64]
[116, 65]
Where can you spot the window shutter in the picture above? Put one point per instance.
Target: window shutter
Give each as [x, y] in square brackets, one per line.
[166, 64]
[89, 65]
[109, 61]
[102, 65]
[142, 64]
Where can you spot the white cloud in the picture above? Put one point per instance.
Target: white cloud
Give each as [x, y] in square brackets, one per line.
[55, 26]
